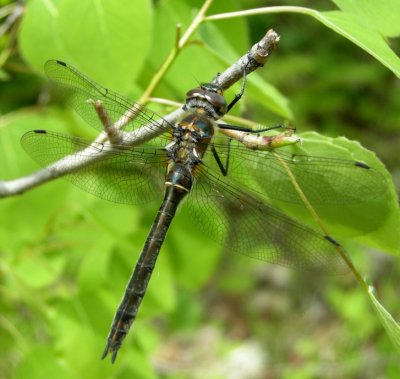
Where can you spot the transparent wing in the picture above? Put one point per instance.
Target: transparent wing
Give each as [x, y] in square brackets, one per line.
[78, 89]
[118, 174]
[247, 225]
[324, 180]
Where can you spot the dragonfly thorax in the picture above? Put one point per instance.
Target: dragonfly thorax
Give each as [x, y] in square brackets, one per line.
[191, 138]
[208, 97]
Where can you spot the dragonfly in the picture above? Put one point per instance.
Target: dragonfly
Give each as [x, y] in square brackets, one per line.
[226, 186]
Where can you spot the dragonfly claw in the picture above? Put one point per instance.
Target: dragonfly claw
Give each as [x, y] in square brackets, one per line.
[110, 349]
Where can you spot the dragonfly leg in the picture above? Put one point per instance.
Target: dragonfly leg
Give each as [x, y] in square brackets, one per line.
[224, 169]
[239, 95]
[248, 130]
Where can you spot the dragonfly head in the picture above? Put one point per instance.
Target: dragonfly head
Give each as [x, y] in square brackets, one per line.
[208, 96]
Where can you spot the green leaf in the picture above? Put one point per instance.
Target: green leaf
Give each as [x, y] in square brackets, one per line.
[38, 270]
[103, 39]
[220, 42]
[366, 23]
[4, 75]
[14, 159]
[227, 28]
[375, 223]
[268, 96]
[213, 51]
[160, 296]
[352, 306]
[389, 323]
[38, 38]
[41, 362]
[193, 65]
[76, 342]
[17, 162]
[95, 260]
[187, 265]
[359, 31]
[383, 16]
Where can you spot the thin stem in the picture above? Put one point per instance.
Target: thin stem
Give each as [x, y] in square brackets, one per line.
[258, 11]
[178, 35]
[318, 220]
[10, 24]
[14, 332]
[195, 23]
[14, 12]
[174, 53]
[7, 10]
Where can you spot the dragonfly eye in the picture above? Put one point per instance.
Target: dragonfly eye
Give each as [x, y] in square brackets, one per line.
[218, 102]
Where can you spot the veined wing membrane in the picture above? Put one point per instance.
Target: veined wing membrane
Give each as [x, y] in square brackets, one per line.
[247, 225]
[324, 180]
[118, 174]
[79, 89]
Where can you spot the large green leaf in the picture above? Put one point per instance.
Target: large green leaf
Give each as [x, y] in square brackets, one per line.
[375, 223]
[105, 40]
[366, 23]
[41, 362]
[359, 31]
[383, 16]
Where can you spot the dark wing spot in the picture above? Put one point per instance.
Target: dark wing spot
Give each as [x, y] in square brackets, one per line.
[332, 240]
[61, 63]
[362, 165]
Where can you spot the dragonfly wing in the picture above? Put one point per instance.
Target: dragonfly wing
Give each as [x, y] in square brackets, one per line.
[79, 89]
[131, 176]
[247, 225]
[324, 180]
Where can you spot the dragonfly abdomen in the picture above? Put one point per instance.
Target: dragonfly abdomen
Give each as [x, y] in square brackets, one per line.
[179, 178]
[177, 185]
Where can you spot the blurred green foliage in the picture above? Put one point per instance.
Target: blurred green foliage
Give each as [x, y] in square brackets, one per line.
[65, 256]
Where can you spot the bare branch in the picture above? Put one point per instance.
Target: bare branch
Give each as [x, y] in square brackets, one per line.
[60, 168]
[252, 60]
[256, 57]
[114, 135]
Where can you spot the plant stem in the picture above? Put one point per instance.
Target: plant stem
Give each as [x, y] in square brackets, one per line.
[258, 11]
[318, 220]
[200, 17]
